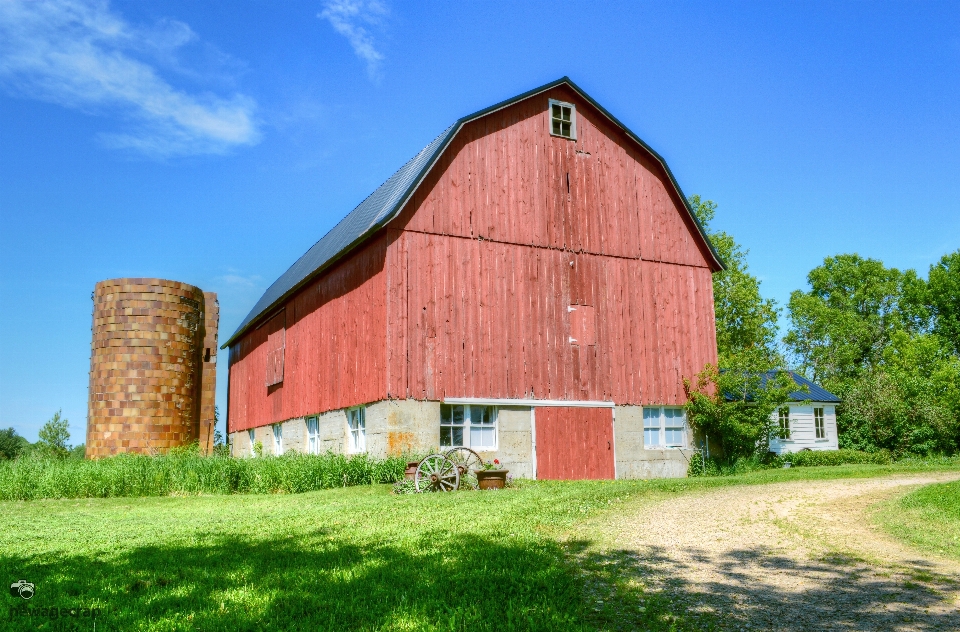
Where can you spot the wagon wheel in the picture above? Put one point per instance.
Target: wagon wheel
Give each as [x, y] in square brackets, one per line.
[466, 461]
[437, 473]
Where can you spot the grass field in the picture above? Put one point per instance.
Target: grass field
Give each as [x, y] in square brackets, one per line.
[187, 472]
[928, 518]
[356, 558]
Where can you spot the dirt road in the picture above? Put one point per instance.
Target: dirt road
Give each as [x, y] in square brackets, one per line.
[791, 556]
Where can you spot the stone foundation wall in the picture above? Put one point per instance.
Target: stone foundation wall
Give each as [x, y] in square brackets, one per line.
[397, 427]
[635, 461]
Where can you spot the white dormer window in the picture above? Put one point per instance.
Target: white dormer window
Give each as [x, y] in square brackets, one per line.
[563, 119]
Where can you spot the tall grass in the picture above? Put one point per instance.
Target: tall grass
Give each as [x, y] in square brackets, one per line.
[187, 472]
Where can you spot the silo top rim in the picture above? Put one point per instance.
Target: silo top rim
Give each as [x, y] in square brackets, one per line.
[147, 281]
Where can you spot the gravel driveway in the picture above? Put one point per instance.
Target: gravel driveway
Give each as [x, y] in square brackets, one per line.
[790, 556]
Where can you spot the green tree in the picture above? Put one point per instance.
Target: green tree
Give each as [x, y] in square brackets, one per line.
[841, 327]
[746, 322]
[734, 407]
[881, 340]
[910, 404]
[12, 445]
[732, 403]
[54, 436]
[943, 292]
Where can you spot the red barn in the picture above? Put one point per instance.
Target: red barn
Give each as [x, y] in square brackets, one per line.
[532, 284]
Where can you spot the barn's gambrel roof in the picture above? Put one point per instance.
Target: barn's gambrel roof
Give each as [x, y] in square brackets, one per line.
[388, 200]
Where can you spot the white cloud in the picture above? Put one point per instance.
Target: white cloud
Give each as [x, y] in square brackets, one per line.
[240, 281]
[348, 17]
[77, 53]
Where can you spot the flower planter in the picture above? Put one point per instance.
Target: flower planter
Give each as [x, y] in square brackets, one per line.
[411, 472]
[491, 479]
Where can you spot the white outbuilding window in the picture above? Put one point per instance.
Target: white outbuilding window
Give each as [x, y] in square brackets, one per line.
[818, 423]
[664, 427]
[313, 435]
[783, 415]
[469, 426]
[357, 422]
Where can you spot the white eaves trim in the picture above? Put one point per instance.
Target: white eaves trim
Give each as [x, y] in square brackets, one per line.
[480, 401]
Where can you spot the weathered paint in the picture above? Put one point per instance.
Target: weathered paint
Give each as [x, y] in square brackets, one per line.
[470, 292]
[574, 443]
[335, 347]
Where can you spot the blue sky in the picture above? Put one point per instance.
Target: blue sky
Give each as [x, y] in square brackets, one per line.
[215, 142]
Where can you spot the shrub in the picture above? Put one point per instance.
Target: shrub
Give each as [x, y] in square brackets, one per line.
[813, 458]
[807, 458]
[186, 471]
[12, 445]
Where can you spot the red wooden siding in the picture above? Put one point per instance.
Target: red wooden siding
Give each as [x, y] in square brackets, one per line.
[504, 178]
[583, 325]
[276, 337]
[574, 443]
[468, 292]
[486, 319]
[335, 351]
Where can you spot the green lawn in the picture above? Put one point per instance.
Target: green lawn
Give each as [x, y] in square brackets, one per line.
[928, 518]
[353, 558]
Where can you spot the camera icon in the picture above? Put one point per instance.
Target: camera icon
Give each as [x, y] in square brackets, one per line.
[23, 589]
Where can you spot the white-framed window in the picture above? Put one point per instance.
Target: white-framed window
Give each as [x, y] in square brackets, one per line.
[783, 417]
[664, 427]
[357, 422]
[277, 439]
[818, 423]
[563, 119]
[469, 426]
[313, 435]
[252, 435]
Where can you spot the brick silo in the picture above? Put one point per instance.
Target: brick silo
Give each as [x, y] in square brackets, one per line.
[152, 367]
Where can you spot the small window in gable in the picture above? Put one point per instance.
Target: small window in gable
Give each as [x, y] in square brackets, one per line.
[563, 119]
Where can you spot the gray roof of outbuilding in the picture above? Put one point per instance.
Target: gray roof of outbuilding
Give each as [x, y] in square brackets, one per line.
[816, 393]
[813, 392]
[388, 200]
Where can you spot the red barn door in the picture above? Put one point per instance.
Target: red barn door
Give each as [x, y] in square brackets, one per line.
[574, 443]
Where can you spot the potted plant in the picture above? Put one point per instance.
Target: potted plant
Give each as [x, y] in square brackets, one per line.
[491, 475]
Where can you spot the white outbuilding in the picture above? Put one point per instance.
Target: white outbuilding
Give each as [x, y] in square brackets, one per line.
[808, 421]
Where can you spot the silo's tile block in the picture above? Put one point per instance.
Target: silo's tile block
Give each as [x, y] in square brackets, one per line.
[152, 366]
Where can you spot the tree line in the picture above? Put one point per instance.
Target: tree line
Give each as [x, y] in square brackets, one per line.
[52, 442]
[885, 341]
